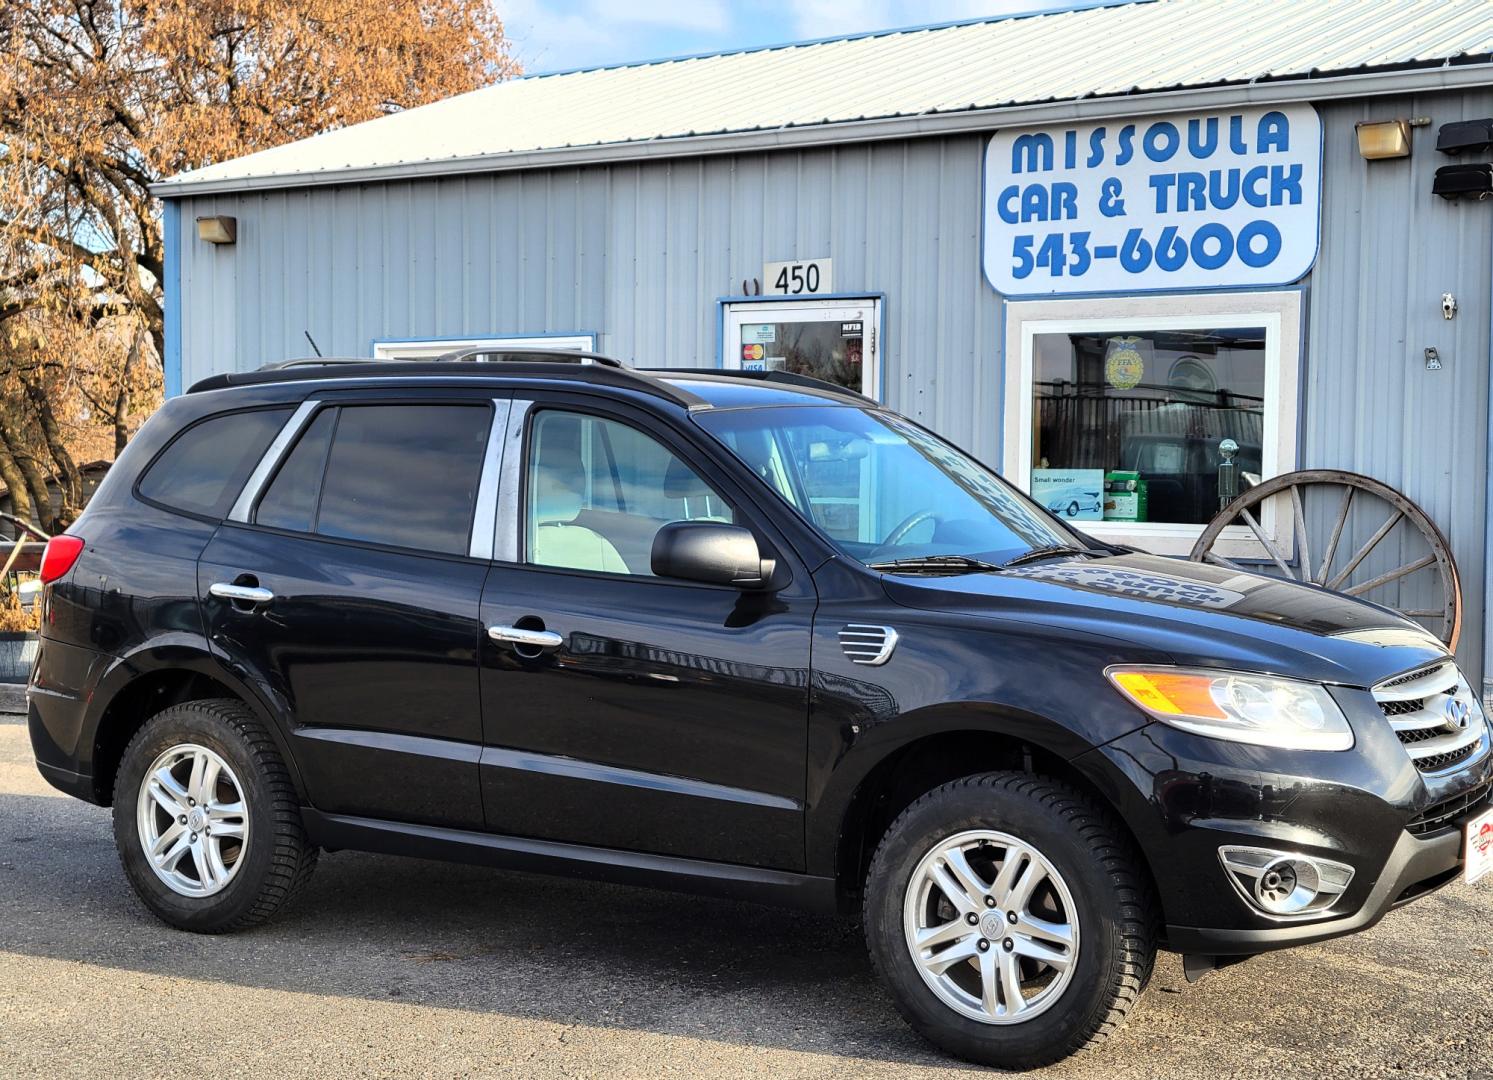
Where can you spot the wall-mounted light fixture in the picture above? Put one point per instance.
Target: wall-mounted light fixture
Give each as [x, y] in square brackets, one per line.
[1465, 137]
[1378, 139]
[218, 230]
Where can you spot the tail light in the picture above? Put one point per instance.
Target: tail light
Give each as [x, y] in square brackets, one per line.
[61, 553]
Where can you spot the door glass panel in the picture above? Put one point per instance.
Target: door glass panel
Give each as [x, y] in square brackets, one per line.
[290, 502]
[598, 491]
[831, 349]
[405, 475]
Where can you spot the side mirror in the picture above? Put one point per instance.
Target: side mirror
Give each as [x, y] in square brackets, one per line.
[710, 552]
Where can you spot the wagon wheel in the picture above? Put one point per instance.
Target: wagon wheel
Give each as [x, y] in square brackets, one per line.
[1343, 504]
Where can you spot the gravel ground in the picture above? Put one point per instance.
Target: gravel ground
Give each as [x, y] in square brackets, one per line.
[397, 967]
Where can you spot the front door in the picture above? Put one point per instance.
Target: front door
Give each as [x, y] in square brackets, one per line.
[833, 340]
[620, 709]
[350, 589]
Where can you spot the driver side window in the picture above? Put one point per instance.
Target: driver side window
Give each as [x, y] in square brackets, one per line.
[598, 491]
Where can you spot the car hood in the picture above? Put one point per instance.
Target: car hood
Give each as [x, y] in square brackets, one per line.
[1196, 613]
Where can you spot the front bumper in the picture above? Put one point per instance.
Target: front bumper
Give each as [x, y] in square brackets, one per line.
[1186, 796]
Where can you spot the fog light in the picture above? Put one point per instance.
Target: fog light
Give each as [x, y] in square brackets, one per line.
[1284, 883]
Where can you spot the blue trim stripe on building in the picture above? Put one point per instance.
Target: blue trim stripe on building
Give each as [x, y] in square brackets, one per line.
[171, 241]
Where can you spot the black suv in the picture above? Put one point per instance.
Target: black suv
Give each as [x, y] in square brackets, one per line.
[737, 633]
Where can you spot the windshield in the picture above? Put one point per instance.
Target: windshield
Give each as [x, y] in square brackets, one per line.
[880, 488]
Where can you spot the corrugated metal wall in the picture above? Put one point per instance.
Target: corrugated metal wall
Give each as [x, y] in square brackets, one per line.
[639, 253]
[1389, 250]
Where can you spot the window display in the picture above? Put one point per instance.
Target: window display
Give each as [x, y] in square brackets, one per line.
[1127, 425]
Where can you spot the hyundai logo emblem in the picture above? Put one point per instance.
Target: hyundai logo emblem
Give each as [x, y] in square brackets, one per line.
[1458, 714]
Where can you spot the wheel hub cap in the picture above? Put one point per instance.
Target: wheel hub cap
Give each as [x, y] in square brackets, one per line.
[192, 820]
[991, 927]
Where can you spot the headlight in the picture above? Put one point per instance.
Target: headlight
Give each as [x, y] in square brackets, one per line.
[1257, 709]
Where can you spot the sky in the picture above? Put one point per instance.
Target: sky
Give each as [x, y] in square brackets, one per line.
[555, 35]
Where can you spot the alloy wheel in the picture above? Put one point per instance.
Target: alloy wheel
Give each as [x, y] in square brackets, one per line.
[193, 820]
[991, 926]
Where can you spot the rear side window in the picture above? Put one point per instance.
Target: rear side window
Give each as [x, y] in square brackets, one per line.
[204, 468]
[290, 502]
[402, 475]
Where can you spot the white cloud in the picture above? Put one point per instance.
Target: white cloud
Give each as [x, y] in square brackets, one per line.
[547, 37]
[706, 15]
[828, 18]
[553, 35]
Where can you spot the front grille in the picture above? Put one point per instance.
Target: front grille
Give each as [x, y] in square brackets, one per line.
[1443, 814]
[1426, 708]
[1450, 760]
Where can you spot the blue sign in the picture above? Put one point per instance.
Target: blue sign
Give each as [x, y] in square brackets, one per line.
[1206, 200]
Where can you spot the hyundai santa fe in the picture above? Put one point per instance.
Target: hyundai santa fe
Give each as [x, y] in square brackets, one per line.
[738, 633]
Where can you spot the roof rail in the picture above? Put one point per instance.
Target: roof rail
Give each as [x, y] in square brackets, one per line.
[534, 363]
[509, 356]
[785, 378]
[317, 361]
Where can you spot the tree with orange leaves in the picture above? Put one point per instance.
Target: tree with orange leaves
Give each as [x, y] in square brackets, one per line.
[101, 98]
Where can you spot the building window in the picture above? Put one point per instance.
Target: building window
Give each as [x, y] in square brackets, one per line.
[1137, 416]
[432, 348]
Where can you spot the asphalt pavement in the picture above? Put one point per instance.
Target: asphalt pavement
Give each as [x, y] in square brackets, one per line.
[402, 967]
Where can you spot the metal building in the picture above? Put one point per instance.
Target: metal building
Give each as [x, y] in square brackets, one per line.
[1088, 246]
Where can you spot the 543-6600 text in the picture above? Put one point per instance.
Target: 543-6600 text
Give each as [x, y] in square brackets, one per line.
[1210, 246]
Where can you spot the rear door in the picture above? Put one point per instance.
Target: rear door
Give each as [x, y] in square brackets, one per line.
[347, 582]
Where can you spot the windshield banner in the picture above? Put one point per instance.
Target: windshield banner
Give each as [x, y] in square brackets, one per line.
[1190, 201]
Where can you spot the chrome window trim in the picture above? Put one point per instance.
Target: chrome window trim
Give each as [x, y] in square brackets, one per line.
[243, 506]
[485, 516]
[508, 521]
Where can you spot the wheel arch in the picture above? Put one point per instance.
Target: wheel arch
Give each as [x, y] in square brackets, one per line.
[960, 743]
[138, 686]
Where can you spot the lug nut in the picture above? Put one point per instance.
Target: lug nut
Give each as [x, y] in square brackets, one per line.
[972, 918]
[182, 820]
[194, 839]
[990, 901]
[1011, 917]
[191, 802]
[984, 945]
[1008, 944]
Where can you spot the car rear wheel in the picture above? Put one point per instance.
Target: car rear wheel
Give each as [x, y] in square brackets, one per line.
[206, 819]
[1010, 918]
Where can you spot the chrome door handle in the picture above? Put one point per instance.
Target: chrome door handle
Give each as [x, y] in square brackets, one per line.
[533, 639]
[248, 594]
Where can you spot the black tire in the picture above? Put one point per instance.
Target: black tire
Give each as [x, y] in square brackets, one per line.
[278, 858]
[1111, 892]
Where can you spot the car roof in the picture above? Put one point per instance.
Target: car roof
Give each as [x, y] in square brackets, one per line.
[689, 388]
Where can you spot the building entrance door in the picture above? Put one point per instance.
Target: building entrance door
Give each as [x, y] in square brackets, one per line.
[833, 340]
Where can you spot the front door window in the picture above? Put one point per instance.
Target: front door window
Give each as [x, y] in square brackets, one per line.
[599, 491]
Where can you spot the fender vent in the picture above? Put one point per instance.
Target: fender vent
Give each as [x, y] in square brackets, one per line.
[866, 644]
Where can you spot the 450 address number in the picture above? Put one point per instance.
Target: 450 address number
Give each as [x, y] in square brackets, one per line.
[1209, 246]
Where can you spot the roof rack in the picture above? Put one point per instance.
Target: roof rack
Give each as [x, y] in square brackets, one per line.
[785, 378]
[463, 364]
[586, 367]
[510, 356]
[317, 361]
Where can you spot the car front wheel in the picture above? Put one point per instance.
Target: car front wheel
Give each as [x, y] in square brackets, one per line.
[1010, 918]
[206, 819]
